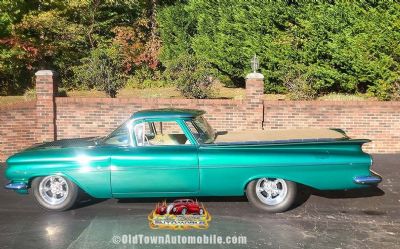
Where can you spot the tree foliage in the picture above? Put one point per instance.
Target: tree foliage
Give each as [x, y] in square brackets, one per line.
[306, 48]
[59, 35]
[101, 70]
[338, 46]
[193, 76]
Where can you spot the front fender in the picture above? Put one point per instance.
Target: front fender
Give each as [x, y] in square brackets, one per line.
[93, 179]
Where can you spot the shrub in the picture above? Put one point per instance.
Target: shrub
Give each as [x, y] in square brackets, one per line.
[192, 76]
[396, 90]
[102, 70]
[62, 92]
[30, 94]
[299, 85]
[144, 73]
[385, 90]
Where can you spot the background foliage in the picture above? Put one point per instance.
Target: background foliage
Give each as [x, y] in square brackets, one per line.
[306, 48]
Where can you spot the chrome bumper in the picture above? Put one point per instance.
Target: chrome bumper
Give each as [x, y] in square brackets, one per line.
[16, 186]
[373, 179]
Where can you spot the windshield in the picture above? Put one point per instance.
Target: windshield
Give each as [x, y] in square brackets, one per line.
[119, 136]
[206, 134]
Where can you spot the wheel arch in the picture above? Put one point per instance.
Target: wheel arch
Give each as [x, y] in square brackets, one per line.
[97, 186]
[68, 177]
[256, 177]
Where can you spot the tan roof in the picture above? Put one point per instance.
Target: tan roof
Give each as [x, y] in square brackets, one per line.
[274, 135]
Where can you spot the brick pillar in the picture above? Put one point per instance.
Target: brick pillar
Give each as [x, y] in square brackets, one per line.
[255, 101]
[46, 88]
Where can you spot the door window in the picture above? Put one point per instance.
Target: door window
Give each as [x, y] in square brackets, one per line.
[160, 133]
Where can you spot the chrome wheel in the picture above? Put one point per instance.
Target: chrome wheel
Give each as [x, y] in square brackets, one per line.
[271, 191]
[53, 189]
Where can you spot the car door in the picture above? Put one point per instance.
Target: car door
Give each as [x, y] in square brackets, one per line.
[154, 168]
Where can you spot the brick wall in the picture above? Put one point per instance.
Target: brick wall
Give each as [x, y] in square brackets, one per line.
[85, 117]
[17, 128]
[45, 105]
[51, 117]
[378, 121]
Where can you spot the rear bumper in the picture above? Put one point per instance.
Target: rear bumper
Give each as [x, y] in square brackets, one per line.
[373, 179]
[16, 186]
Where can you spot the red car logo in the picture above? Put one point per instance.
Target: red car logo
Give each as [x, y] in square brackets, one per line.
[180, 207]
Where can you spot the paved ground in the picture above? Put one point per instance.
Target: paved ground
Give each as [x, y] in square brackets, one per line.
[339, 219]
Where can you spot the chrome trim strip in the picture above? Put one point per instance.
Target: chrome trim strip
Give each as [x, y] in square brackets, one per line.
[367, 180]
[16, 186]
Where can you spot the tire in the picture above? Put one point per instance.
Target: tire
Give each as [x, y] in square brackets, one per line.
[273, 195]
[55, 193]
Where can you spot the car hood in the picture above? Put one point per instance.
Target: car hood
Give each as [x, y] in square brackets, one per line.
[66, 143]
[60, 150]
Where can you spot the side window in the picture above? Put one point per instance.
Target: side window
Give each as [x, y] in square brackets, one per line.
[160, 133]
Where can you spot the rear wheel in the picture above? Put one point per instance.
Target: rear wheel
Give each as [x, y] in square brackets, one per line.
[55, 192]
[272, 194]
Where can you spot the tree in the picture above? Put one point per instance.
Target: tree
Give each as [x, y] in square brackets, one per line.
[102, 70]
[342, 46]
[193, 76]
[55, 34]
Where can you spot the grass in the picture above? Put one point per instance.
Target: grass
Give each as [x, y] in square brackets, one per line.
[10, 100]
[269, 96]
[160, 92]
[165, 92]
[171, 92]
[345, 97]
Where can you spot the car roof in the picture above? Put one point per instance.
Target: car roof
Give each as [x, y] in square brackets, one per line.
[167, 113]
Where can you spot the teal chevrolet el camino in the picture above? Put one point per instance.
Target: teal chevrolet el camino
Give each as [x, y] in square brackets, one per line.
[175, 153]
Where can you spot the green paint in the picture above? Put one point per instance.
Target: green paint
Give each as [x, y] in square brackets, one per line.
[106, 171]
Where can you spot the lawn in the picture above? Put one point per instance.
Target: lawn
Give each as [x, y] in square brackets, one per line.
[160, 92]
[221, 92]
[10, 100]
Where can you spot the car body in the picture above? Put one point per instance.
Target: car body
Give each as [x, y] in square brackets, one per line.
[180, 207]
[175, 153]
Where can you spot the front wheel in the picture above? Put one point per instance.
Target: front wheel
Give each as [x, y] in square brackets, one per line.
[273, 195]
[55, 193]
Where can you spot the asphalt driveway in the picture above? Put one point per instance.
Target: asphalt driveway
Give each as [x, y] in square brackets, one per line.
[333, 219]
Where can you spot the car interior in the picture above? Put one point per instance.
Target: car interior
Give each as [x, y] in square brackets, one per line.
[160, 133]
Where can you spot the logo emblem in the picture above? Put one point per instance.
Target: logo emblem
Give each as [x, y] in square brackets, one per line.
[182, 214]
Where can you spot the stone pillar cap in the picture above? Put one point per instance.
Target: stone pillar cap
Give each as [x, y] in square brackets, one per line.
[257, 76]
[46, 73]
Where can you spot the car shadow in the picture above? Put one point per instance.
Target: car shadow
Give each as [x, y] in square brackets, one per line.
[86, 200]
[306, 192]
[171, 199]
[303, 195]
[351, 193]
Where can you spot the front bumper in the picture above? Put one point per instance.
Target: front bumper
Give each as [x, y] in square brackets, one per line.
[16, 186]
[373, 179]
